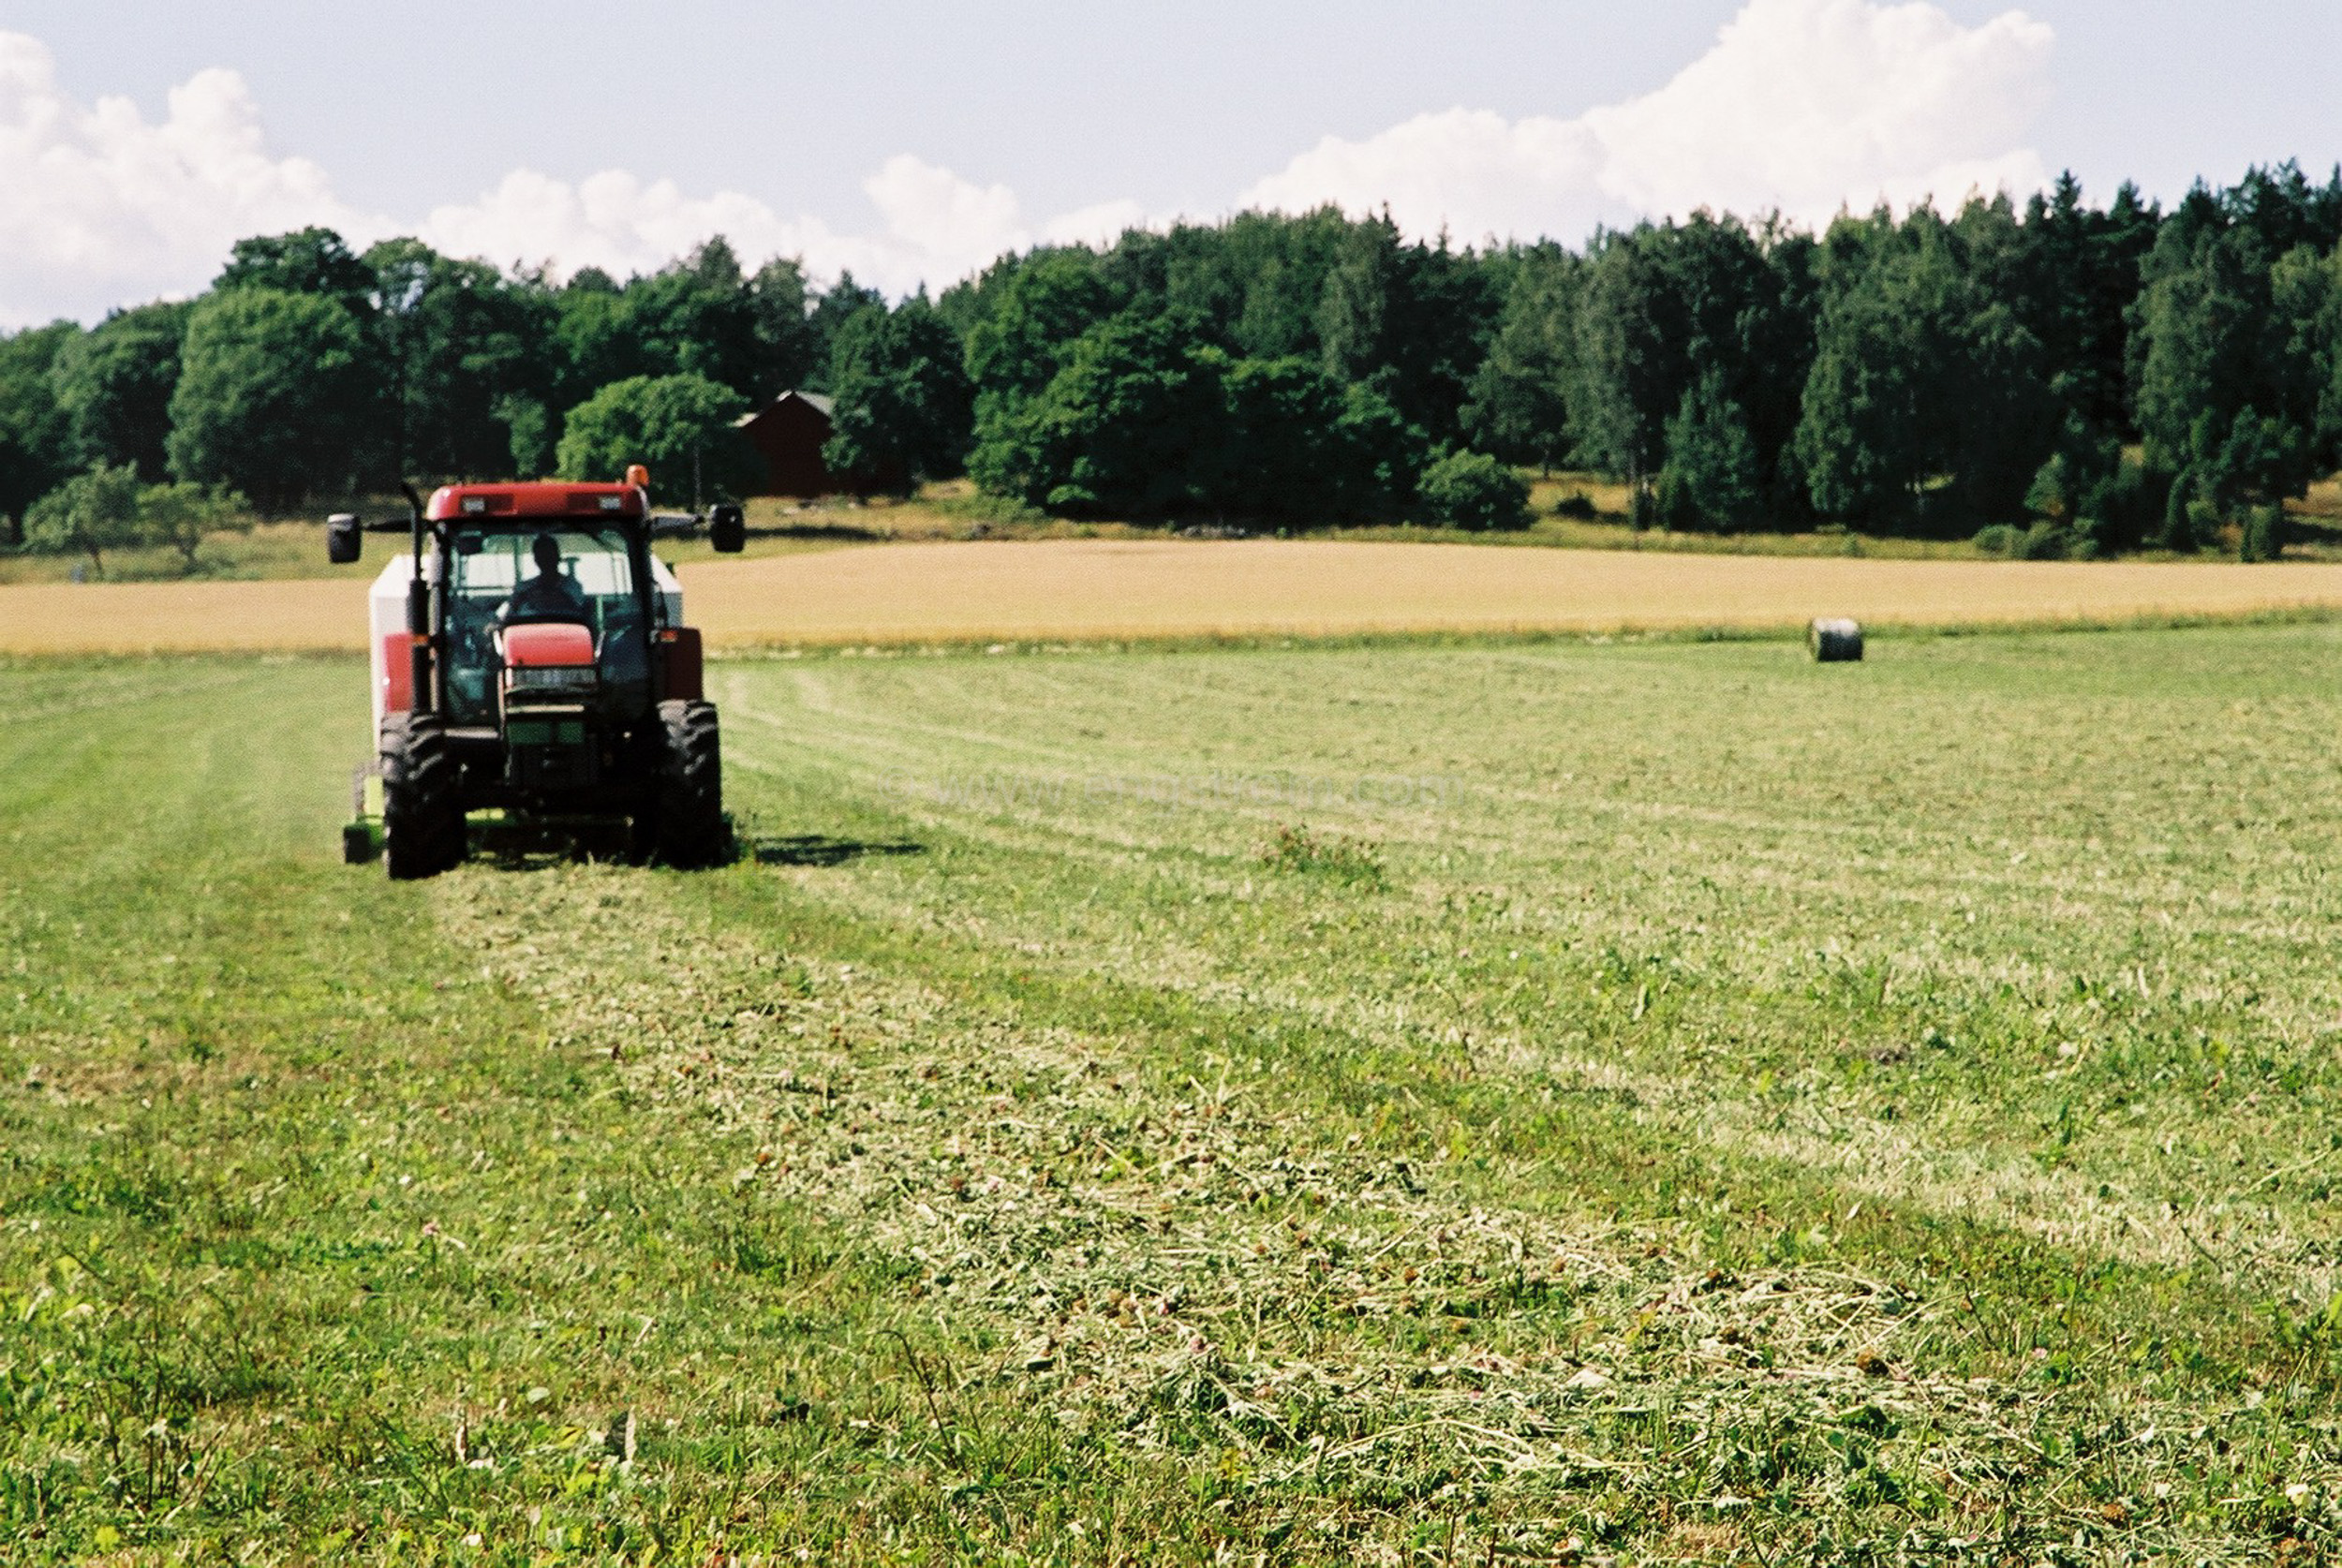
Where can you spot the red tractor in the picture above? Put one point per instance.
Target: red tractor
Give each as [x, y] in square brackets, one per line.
[533, 663]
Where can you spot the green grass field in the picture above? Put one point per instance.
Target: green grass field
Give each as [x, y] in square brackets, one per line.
[1509, 1103]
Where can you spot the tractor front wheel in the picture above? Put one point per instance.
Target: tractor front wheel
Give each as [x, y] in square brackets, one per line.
[423, 815]
[691, 830]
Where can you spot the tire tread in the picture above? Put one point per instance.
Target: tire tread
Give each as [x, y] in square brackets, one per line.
[691, 830]
[422, 817]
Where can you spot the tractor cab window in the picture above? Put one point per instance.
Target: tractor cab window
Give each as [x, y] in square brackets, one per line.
[555, 572]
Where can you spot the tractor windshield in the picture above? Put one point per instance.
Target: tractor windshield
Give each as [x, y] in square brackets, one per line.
[495, 575]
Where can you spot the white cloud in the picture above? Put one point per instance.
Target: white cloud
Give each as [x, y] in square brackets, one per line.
[1101, 225]
[105, 207]
[1802, 105]
[613, 220]
[934, 214]
[934, 225]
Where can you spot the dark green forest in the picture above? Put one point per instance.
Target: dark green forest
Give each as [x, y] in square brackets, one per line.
[2073, 377]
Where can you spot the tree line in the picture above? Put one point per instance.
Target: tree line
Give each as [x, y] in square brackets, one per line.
[2076, 378]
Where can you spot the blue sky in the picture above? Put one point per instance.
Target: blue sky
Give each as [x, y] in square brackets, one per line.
[911, 141]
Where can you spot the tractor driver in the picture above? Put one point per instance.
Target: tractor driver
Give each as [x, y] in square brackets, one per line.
[552, 595]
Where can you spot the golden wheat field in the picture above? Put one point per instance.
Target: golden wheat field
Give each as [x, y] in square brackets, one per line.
[286, 615]
[1075, 589]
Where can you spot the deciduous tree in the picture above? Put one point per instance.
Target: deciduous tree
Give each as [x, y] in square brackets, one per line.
[1710, 479]
[905, 406]
[114, 385]
[1299, 448]
[681, 427]
[36, 439]
[279, 396]
[833, 311]
[786, 341]
[310, 260]
[183, 515]
[1519, 408]
[1129, 427]
[88, 514]
[1474, 491]
[465, 346]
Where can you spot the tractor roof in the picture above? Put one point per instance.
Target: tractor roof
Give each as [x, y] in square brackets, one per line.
[542, 499]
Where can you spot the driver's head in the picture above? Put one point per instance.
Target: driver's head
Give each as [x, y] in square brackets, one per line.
[546, 551]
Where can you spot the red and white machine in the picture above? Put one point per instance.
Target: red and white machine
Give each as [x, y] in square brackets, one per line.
[529, 658]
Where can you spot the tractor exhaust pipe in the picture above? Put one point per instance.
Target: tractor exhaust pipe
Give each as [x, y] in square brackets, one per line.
[419, 615]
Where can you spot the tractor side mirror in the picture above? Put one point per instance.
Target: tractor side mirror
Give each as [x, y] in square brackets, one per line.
[728, 528]
[343, 541]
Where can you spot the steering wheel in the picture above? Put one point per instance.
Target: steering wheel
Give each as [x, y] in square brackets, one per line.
[471, 636]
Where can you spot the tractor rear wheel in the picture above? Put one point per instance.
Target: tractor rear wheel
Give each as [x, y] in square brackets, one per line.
[691, 830]
[423, 815]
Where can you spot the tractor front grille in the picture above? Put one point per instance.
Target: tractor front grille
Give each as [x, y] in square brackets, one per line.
[546, 731]
[549, 749]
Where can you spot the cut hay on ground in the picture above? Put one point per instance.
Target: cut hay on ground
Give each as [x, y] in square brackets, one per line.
[1077, 589]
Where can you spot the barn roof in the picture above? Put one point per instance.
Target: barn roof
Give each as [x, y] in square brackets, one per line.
[820, 404]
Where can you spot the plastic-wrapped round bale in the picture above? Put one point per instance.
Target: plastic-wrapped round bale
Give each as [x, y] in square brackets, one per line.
[1835, 641]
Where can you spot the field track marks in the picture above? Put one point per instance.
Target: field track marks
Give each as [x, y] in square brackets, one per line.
[1184, 1265]
[1870, 1159]
[1975, 1174]
[1167, 894]
[171, 683]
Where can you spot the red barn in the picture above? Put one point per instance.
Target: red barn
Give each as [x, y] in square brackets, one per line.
[788, 434]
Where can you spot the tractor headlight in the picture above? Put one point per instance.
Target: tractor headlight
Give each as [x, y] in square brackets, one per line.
[555, 677]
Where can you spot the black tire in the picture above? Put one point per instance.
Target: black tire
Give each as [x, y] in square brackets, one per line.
[690, 827]
[422, 814]
[642, 836]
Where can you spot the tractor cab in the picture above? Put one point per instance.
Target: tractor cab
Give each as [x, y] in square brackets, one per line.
[507, 613]
[530, 660]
